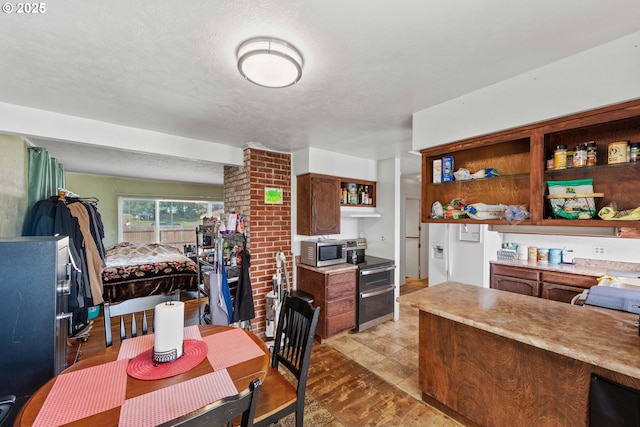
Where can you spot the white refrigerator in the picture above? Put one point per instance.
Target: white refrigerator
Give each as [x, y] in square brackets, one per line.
[461, 253]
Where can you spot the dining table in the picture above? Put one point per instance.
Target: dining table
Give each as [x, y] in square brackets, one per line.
[122, 386]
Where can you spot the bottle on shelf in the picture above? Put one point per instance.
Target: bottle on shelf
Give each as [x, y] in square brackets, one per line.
[592, 153]
[560, 157]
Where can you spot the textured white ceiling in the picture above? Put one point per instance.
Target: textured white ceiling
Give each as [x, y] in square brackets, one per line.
[169, 67]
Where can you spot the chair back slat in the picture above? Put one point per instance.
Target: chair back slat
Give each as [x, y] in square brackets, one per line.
[129, 309]
[296, 326]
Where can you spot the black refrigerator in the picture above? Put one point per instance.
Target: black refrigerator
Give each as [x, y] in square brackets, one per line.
[34, 323]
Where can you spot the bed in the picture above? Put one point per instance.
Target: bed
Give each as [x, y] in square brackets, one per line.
[142, 269]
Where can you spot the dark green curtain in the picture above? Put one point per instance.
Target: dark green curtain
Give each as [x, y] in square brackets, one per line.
[46, 175]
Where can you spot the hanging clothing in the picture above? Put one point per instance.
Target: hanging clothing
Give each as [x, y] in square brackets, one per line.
[95, 263]
[243, 308]
[53, 216]
[217, 302]
[226, 294]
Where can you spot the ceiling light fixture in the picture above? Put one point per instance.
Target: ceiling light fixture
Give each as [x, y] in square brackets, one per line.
[269, 62]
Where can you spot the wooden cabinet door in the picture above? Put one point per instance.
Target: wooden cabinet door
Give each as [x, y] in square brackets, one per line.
[318, 209]
[516, 285]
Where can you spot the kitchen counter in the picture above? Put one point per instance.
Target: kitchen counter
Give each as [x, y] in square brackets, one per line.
[532, 321]
[584, 266]
[331, 269]
[523, 357]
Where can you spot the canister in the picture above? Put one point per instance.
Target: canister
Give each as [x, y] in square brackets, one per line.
[543, 255]
[560, 157]
[555, 256]
[617, 152]
[522, 252]
[533, 254]
[567, 256]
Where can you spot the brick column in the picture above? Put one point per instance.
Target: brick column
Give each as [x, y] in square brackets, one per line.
[268, 226]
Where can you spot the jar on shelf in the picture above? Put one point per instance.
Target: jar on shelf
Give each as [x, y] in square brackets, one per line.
[580, 156]
[634, 152]
[560, 157]
[592, 154]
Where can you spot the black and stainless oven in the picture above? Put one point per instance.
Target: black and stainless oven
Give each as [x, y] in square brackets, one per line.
[375, 292]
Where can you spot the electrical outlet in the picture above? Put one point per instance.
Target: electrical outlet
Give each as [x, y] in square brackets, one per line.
[599, 250]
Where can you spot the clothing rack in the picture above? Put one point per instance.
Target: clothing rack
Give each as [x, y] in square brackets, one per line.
[63, 193]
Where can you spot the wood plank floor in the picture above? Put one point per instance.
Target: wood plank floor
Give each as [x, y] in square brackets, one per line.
[354, 395]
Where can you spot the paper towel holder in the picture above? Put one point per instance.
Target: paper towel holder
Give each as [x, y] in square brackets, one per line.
[169, 355]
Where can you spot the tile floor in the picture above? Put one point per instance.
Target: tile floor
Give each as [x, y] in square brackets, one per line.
[389, 350]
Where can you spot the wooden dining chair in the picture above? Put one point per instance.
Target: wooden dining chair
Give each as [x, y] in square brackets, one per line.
[224, 411]
[132, 307]
[6, 404]
[296, 329]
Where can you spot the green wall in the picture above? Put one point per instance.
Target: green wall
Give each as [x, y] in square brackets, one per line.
[107, 190]
[14, 163]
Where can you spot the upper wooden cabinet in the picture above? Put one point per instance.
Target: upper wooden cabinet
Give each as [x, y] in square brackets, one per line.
[520, 157]
[318, 204]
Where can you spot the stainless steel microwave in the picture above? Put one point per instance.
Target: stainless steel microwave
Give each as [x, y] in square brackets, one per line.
[323, 252]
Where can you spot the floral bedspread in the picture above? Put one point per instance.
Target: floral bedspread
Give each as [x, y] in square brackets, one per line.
[141, 269]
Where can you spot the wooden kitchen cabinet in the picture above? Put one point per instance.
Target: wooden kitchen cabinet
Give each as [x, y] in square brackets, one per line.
[318, 205]
[335, 294]
[517, 280]
[552, 285]
[563, 287]
[520, 156]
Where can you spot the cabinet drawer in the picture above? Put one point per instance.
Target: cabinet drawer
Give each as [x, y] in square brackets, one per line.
[342, 287]
[336, 279]
[341, 306]
[516, 285]
[340, 323]
[569, 279]
[507, 270]
[561, 293]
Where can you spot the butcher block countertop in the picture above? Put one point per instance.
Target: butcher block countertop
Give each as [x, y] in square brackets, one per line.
[605, 338]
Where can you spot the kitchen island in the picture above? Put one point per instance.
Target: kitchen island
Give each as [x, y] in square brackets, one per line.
[493, 358]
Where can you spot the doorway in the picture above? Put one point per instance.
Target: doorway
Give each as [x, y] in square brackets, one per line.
[412, 238]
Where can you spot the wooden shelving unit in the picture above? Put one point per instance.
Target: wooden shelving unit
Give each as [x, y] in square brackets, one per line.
[520, 157]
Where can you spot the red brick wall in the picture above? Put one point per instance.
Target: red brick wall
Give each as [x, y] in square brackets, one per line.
[268, 225]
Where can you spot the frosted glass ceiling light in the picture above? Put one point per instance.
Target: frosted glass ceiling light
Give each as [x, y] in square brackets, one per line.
[269, 62]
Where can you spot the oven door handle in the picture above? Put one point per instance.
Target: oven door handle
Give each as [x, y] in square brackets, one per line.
[378, 292]
[376, 270]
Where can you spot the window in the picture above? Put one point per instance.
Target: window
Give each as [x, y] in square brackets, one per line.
[172, 222]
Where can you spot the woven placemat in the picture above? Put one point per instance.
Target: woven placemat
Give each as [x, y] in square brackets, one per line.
[142, 366]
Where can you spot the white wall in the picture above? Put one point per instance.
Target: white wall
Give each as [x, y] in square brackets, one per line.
[615, 249]
[383, 234]
[329, 163]
[601, 76]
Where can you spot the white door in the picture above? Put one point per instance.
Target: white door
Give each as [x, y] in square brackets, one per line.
[412, 238]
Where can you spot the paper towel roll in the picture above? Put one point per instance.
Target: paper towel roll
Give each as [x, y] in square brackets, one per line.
[168, 327]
